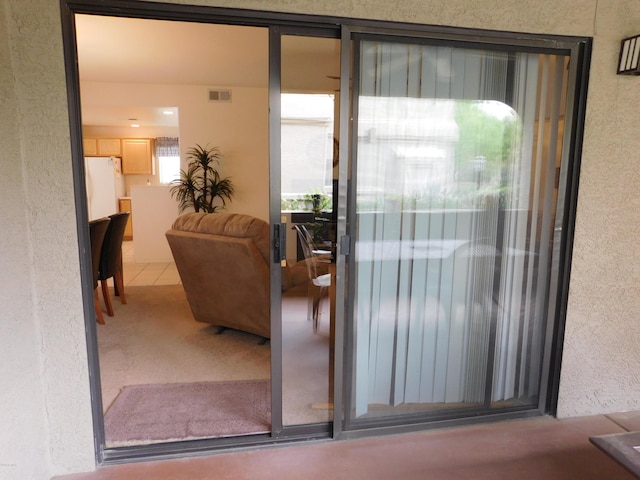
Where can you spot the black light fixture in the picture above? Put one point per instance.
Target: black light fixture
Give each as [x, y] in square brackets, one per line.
[629, 53]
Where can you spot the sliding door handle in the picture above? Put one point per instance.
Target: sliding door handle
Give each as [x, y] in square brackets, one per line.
[345, 245]
[279, 242]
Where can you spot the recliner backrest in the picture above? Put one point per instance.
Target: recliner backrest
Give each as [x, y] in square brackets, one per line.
[223, 262]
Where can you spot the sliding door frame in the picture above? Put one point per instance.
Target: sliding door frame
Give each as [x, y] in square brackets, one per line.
[579, 52]
[279, 430]
[335, 27]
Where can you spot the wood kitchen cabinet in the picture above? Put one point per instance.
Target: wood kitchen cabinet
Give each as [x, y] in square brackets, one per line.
[137, 156]
[102, 147]
[124, 205]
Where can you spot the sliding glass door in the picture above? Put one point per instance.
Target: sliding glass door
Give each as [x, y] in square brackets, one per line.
[433, 171]
[457, 155]
[307, 98]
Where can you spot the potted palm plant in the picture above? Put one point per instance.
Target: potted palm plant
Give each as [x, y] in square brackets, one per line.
[201, 187]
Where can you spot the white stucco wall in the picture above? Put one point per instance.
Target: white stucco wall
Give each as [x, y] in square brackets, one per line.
[601, 361]
[21, 396]
[44, 402]
[45, 411]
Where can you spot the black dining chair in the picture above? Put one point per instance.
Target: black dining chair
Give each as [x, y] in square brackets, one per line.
[111, 259]
[97, 232]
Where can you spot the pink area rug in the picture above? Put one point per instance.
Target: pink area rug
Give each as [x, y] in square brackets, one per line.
[182, 411]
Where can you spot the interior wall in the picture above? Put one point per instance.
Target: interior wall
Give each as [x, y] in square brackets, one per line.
[238, 128]
[46, 406]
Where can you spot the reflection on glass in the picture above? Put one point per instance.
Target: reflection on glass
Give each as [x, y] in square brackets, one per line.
[455, 211]
[307, 152]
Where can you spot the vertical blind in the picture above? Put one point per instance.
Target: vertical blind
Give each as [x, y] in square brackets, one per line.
[457, 154]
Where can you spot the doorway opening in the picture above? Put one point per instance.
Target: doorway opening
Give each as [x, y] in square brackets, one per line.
[164, 376]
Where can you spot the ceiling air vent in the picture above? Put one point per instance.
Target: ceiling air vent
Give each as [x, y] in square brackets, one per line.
[219, 95]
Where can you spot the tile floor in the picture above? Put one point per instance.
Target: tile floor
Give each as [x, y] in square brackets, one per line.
[542, 448]
[141, 274]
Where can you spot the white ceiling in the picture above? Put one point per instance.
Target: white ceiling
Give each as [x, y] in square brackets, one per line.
[127, 50]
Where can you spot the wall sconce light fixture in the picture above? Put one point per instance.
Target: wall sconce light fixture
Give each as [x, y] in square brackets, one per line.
[629, 53]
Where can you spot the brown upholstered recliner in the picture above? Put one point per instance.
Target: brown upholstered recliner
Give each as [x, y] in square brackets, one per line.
[223, 261]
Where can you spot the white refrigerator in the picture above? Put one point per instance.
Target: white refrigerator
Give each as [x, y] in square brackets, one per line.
[105, 184]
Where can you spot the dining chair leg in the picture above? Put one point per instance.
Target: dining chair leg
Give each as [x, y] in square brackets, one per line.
[322, 292]
[119, 286]
[98, 309]
[315, 295]
[116, 287]
[107, 297]
[319, 294]
[310, 300]
[316, 308]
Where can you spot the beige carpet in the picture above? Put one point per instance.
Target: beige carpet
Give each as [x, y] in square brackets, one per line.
[154, 340]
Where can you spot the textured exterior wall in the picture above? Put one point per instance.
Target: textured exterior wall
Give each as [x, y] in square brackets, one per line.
[21, 396]
[45, 409]
[570, 17]
[46, 404]
[601, 361]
